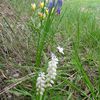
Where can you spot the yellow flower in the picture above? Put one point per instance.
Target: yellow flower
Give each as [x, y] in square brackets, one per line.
[47, 11]
[41, 15]
[33, 6]
[41, 4]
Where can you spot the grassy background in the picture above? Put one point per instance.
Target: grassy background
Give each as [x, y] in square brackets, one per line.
[78, 32]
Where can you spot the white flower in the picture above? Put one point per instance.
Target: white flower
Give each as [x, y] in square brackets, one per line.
[51, 71]
[60, 49]
[40, 85]
[54, 58]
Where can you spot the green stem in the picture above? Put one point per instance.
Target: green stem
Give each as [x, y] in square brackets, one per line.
[42, 41]
[40, 97]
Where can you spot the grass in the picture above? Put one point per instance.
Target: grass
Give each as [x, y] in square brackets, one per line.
[77, 31]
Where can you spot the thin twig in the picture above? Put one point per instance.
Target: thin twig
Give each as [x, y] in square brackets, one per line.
[18, 81]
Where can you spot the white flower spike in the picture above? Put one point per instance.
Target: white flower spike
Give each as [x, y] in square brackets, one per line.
[51, 71]
[40, 85]
[54, 58]
[60, 49]
[45, 81]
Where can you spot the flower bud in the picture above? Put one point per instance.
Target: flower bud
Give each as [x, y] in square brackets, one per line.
[41, 5]
[33, 6]
[47, 11]
[41, 15]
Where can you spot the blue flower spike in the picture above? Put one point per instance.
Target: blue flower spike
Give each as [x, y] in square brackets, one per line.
[58, 11]
[55, 4]
[50, 5]
[59, 5]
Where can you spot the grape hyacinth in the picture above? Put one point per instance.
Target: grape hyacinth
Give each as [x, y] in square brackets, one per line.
[54, 58]
[51, 71]
[55, 4]
[45, 81]
[58, 10]
[50, 5]
[40, 85]
[59, 5]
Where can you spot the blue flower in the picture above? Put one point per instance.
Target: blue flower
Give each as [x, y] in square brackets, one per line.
[58, 10]
[59, 3]
[50, 5]
[56, 4]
